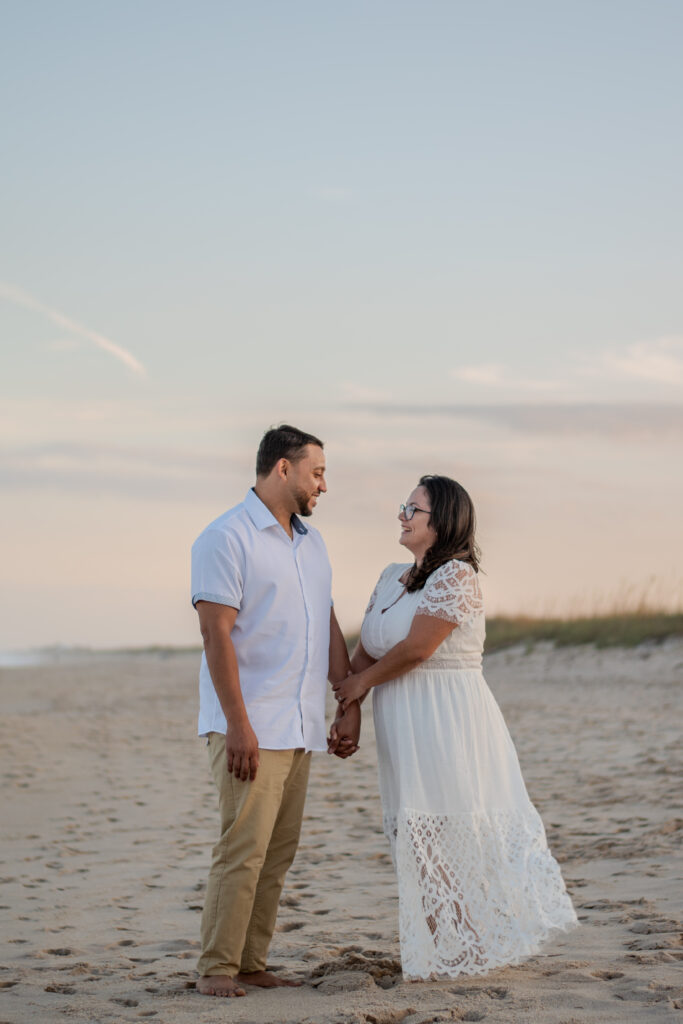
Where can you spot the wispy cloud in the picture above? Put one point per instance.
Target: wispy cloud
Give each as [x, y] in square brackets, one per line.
[614, 420]
[660, 361]
[22, 298]
[657, 363]
[495, 375]
[136, 472]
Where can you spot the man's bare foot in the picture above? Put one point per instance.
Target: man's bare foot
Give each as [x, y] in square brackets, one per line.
[219, 985]
[265, 979]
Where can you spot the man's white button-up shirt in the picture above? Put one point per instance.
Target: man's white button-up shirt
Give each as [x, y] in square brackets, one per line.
[282, 591]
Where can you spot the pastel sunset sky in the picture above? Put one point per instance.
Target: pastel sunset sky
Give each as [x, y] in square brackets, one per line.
[443, 236]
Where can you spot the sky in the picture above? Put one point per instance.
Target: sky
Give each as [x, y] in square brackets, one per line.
[443, 236]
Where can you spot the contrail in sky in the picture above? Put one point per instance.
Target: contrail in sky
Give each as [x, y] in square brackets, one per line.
[22, 298]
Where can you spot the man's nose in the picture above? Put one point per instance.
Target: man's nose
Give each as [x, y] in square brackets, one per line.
[322, 486]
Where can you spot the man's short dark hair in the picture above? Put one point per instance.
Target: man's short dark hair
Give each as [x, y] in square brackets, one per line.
[283, 442]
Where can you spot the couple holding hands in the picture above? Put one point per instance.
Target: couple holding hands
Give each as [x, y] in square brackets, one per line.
[478, 887]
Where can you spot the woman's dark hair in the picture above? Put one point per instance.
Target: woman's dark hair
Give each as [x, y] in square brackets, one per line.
[452, 516]
[283, 442]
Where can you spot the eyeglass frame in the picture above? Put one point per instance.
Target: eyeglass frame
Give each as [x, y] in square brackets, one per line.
[403, 510]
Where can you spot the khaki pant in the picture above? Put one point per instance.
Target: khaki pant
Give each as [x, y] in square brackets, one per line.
[260, 826]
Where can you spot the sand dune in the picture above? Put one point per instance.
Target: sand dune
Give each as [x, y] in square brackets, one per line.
[108, 815]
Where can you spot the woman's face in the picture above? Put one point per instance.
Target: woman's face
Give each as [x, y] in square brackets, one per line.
[417, 534]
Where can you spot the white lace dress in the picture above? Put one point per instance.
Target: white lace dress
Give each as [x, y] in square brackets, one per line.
[478, 887]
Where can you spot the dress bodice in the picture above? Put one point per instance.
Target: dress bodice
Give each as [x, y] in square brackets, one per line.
[452, 593]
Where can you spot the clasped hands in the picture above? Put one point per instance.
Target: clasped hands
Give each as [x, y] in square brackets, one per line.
[345, 730]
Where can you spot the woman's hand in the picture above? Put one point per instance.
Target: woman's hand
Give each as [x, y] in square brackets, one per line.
[350, 689]
[345, 731]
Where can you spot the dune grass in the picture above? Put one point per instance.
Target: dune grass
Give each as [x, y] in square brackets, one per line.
[623, 629]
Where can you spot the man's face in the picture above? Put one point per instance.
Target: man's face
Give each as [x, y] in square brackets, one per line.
[306, 479]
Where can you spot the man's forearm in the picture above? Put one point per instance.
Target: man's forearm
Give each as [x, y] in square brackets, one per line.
[340, 664]
[224, 670]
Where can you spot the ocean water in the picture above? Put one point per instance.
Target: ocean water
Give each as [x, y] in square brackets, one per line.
[21, 659]
[45, 656]
[59, 655]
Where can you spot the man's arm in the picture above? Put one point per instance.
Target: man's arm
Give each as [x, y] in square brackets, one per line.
[216, 622]
[345, 730]
[340, 663]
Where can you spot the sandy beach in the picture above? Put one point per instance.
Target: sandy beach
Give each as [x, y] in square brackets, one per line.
[109, 817]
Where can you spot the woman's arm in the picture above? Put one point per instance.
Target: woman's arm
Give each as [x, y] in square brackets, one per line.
[360, 659]
[426, 634]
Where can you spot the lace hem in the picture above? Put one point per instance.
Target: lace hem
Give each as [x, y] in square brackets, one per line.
[476, 891]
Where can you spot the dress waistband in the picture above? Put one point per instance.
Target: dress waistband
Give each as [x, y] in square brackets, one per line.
[472, 661]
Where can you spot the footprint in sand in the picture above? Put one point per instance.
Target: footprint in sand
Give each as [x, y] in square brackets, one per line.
[654, 927]
[654, 992]
[659, 933]
[384, 971]
[290, 926]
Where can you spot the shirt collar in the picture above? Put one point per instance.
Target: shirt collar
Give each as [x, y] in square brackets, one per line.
[262, 517]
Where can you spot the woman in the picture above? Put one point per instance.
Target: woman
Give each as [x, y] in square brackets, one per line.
[478, 887]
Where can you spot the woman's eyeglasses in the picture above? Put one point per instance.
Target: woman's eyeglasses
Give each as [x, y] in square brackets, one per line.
[408, 511]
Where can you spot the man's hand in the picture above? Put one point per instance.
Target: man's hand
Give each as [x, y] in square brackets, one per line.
[345, 732]
[241, 747]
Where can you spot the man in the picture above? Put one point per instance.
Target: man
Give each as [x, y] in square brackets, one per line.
[261, 583]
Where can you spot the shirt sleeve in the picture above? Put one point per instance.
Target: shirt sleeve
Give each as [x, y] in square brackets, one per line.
[217, 569]
[452, 593]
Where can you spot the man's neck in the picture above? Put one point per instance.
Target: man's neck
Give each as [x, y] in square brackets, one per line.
[276, 507]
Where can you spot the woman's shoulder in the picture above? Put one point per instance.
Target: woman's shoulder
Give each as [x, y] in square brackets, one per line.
[452, 592]
[456, 570]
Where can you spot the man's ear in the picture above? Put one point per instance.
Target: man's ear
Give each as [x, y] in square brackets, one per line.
[282, 468]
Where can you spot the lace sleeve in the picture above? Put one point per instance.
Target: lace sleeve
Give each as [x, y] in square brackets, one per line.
[452, 593]
[373, 596]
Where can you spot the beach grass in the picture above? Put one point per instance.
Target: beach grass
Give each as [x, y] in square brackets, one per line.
[622, 629]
